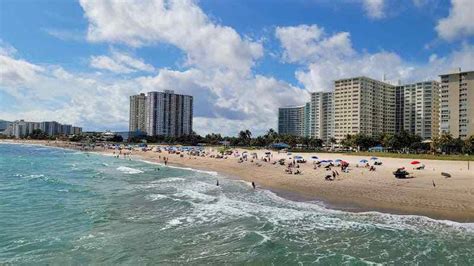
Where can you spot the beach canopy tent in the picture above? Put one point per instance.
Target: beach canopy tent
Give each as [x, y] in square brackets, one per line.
[415, 162]
[377, 149]
[363, 161]
[279, 146]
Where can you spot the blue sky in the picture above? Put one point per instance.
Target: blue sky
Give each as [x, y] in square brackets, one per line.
[78, 61]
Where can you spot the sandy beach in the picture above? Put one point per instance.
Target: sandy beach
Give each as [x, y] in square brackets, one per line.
[428, 193]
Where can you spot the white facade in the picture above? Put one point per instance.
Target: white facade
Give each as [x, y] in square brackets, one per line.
[363, 106]
[169, 114]
[457, 104]
[137, 119]
[322, 116]
[419, 109]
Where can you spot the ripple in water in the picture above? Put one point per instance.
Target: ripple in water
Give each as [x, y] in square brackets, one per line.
[134, 214]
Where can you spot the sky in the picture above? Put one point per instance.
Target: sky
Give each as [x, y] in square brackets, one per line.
[78, 62]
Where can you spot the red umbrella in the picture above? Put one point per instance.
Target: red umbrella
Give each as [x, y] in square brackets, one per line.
[415, 162]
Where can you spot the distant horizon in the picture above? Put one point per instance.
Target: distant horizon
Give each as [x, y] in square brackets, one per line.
[79, 61]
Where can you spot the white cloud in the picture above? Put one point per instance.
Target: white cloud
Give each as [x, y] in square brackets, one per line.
[66, 34]
[305, 43]
[459, 23]
[375, 9]
[324, 63]
[120, 62]
[6, 48]
[224, 101]
[178, 22]
[219, 61]
[14, 72]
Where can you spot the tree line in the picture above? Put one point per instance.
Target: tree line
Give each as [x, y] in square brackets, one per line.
[400, 142]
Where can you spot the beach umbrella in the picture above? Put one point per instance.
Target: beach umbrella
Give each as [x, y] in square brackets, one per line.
[298, 157]
[364, 161]
[338, 160]
[329, 161]
[314, 157]
[374, 158]
[415, 162]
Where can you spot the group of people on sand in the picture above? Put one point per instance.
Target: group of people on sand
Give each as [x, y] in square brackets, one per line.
[125, 155]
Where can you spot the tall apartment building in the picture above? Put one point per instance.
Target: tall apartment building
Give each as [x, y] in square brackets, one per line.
[293, 120]
[417, 109]
[322, 115]
[137, 121]
[363, 105]
[169, 114]
[457, 104]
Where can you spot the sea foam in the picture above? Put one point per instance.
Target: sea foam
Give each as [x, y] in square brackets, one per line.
[129, 170]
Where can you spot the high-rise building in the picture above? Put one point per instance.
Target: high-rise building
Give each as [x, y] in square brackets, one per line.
[322, 116]
[457, 104]
[293, 120]
[417, 109]
[169, 114]
[363, 106]
[399, 108]
[137, 121]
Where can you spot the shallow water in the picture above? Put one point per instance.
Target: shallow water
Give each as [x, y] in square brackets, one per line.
[62, 207]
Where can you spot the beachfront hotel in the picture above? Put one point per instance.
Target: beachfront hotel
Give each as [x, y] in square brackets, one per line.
[417, 109]
[137, 120]
[322, 115]
[457, 104]
[168, 114]
[22, 128]
[363, 106]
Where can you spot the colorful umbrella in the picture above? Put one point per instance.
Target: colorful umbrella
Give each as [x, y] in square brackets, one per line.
[338, 160]
[374, 158]
[364, 161]
[415, 162]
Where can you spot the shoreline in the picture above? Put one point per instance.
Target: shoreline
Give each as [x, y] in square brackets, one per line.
[401, 197]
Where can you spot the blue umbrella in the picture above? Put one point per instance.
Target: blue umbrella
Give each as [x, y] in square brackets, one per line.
[329, 161]
[298, 157]
[338, 160]
[374, 158]
[364, 161]
[314, 157]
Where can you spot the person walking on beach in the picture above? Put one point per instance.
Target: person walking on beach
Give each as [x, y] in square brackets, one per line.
[253, 185]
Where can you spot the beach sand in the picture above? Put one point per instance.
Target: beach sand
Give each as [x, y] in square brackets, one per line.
[359, 190]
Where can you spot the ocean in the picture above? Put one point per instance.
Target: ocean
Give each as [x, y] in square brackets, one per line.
[68, 207]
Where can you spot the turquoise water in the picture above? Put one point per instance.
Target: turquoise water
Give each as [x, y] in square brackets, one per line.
[67, 207]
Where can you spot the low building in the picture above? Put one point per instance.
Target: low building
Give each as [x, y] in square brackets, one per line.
[22, 128]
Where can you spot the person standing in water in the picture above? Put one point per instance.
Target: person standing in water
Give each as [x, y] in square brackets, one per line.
[253, 185]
